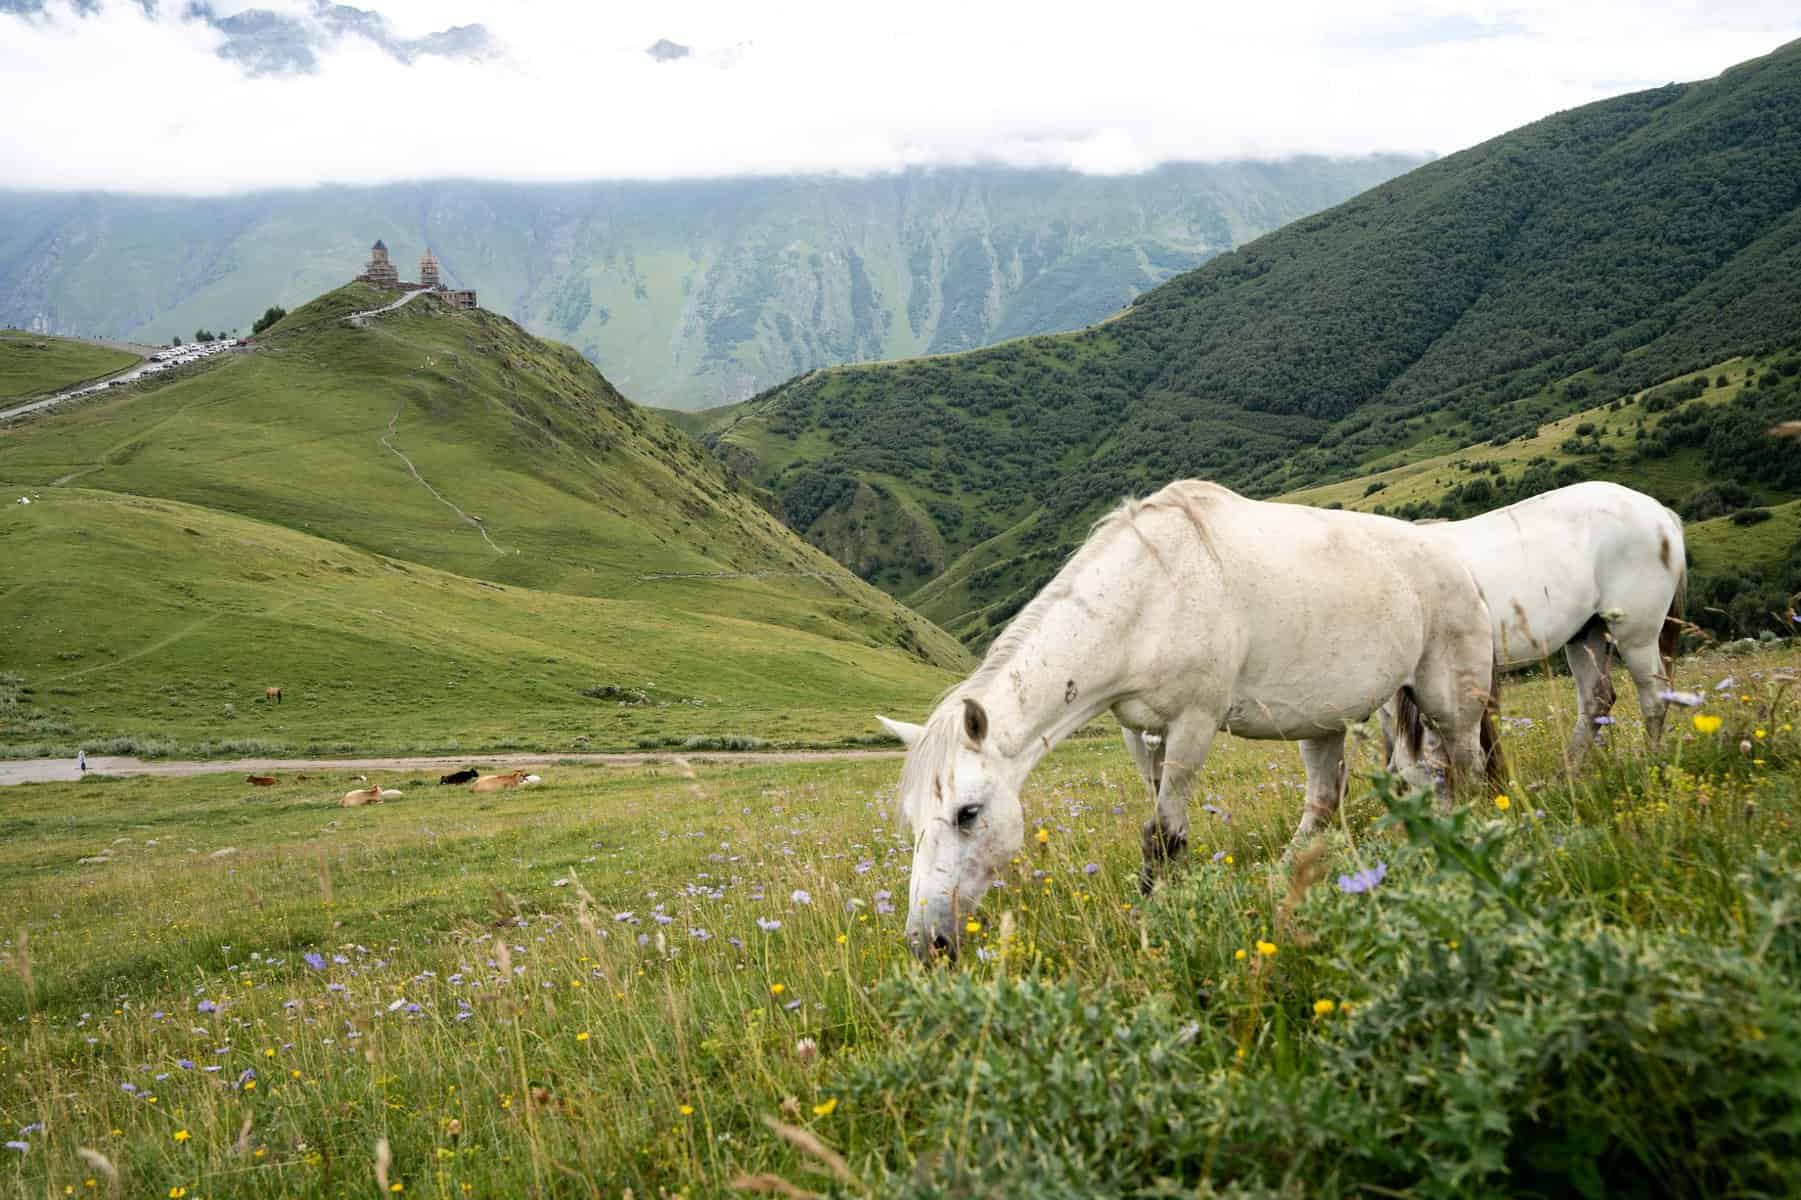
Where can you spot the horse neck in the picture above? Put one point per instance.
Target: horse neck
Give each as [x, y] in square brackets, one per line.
[1027, 692]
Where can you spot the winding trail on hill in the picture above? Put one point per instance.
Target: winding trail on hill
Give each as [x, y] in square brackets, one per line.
[394, 431]
[62, 770]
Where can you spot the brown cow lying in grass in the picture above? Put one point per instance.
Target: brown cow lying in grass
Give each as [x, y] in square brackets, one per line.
[501, 783]
[260, 780]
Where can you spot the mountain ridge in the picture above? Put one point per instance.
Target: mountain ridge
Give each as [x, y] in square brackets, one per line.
[687, 294]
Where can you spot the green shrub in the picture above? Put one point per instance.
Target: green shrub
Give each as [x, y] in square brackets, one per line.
[1498, 1041]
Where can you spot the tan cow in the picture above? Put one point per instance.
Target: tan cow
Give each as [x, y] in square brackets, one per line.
[498, 783]
[369, 795]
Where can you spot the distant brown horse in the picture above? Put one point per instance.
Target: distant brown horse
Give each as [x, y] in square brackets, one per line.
[272, 695]
[362, 796]
[260, 780]
[498, 783]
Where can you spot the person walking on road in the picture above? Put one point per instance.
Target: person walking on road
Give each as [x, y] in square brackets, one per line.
[81, 762]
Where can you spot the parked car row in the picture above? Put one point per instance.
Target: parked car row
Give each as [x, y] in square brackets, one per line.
[176, 355]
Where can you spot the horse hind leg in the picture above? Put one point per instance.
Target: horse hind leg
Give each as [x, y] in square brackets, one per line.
[1650, 678]
[1590, 654]
[1326, 781]
[1454, 697]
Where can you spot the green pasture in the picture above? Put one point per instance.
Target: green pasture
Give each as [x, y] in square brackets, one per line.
[32, 364]
[689, 979]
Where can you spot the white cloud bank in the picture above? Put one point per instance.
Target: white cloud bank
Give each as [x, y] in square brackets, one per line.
[123, 101]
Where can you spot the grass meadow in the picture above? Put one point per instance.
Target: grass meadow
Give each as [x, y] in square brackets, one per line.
[689, 980]
[32, 364]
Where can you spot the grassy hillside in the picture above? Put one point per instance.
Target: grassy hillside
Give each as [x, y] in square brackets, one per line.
[1569, 263]
[687, 293]
[32, 364]
[425, 444]
[162, 623]
[611, 980]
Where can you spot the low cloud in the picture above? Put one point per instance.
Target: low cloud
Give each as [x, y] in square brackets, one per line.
[122, 95]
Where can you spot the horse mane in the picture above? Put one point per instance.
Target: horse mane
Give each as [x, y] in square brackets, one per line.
[928, 762]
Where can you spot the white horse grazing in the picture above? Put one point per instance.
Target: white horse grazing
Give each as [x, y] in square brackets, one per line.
[1596, 568]
[1190, 612]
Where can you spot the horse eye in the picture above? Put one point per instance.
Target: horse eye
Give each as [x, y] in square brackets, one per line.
[966, 816]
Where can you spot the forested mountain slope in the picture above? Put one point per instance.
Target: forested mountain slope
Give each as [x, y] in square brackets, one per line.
[1572, 261]
[686, 293]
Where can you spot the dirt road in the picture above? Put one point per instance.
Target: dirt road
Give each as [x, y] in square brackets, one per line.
[53, 770]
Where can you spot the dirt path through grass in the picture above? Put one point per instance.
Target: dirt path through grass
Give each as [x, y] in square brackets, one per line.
[54, 770]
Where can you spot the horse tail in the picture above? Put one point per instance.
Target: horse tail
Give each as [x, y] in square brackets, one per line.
[1491, 735]
[1673, 620]
[1410, 723]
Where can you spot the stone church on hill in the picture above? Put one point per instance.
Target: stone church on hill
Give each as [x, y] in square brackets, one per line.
[380, 272]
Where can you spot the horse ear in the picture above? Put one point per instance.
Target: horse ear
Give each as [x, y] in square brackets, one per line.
[975, 721]
[908, 734]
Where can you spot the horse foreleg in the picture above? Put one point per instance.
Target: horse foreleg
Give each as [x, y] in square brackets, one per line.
[1590, 655]
[1326, 781]
[1185, 747]
[1148, 757]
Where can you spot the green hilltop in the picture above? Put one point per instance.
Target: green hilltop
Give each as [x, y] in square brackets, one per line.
[425, 510]
[1573, 262]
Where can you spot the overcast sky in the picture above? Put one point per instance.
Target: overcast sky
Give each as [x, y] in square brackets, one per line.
[125, 101]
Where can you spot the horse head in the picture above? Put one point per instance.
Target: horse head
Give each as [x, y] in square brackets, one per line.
[960, 795]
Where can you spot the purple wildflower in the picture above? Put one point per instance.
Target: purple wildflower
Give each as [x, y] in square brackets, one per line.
[130, 1089]
[21, 1147]
[792, 1005]
[1364, 880]
[800, 896]
[1218, 855]
[314, 959]
[1091, 869]
[34, 1127]
[1686, 699]
[412, 1008]
[186, 1064]
[206, 1006]
[1731, 681]
[735, 942]
[1603, 720]
[864, 867]
[248, 1074]
[158, 1015]
[662, 919]
[768, 924]
[700, 935]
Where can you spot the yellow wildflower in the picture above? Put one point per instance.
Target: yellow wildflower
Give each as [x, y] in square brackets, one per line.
[176, 1193]
[1230, 860]
[1706, 723]
[1503, 803]
[582, 1036]
[843, 938]
[687, 1110]
[1266, 948]
[826, 1109]
[776, 989]
[1760, 734]
[1239, 954]
[972, 926]
[182, 1135]
[1043, 835]
[1323, 1007]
